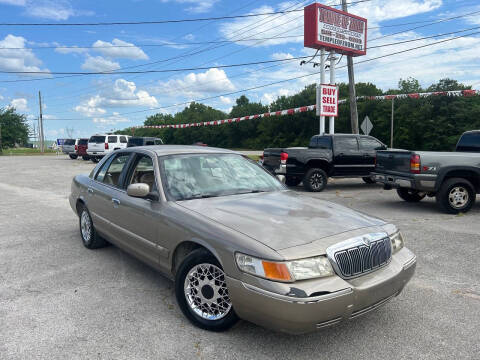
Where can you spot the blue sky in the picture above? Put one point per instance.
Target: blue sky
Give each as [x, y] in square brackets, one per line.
[105, 102]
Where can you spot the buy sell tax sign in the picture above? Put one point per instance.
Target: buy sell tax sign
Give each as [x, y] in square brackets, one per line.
[327, 100]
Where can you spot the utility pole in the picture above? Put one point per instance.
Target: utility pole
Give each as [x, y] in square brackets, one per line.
[1, 139]
[351, 87]
[322, 81]
[42, 148]
[331, 121]
[391, 124]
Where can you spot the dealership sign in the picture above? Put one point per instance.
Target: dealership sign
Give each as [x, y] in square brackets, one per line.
[334, 30]
[327, 98]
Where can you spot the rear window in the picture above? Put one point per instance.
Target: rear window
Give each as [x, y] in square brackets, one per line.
[83, 142]
[469, 142]
[123, 139]
[97, 139]
[112, 139]
[136, 141]
[69, 142]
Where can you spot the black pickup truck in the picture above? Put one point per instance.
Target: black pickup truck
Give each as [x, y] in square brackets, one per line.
[452, 177]
[338, 155]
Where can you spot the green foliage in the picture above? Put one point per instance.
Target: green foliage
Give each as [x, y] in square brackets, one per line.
[14, 128]
[430, 123]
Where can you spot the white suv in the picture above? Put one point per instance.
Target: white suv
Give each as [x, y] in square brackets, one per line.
[100, 145]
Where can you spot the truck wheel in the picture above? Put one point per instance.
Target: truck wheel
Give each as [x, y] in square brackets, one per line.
[456, 195]
[292, 181]
[72, 156]
[86, 157]
[315, 180]
[369, 180]
[410, 195]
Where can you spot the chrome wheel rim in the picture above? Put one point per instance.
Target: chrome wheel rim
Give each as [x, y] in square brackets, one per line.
[85, 226]
[316, 181]
[458, 197]
[206, 292]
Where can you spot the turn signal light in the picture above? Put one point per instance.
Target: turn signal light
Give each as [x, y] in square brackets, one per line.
[283, 157]
[106, 146]
[276, 271]
[415, 164]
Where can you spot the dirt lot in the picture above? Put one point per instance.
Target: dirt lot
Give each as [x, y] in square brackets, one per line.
[59, 300]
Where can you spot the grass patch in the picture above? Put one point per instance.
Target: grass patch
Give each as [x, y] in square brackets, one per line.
[26, 151]
[254, 157]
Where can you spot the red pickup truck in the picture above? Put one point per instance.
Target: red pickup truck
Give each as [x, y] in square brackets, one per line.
[81, 149]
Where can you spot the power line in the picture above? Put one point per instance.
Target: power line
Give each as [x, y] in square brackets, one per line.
[285, 80]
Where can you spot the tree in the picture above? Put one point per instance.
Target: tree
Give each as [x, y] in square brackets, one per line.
[14, 127]
[448, 85]
[409, 85]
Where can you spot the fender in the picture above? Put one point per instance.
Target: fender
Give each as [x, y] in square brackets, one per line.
[446, 170]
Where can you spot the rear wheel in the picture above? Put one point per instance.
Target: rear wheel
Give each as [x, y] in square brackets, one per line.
[410, 195]
[456, 195]
[86, 157]
[315, 180]
[292, 181]
[202, 294]
[73, 156]
[90, 238]
[368, 179]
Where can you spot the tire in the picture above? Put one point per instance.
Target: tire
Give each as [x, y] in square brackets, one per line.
[86, 157]
[315, 180]
[368, 180]
[94, 159]
[456, 195]
[90, 238]
[292, 181]
[187, 289]
[72, 156]
[410, 195]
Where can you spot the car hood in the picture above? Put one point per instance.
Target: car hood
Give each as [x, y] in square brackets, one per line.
[281, 219]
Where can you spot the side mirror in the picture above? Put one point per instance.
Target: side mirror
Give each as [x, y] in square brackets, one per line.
[139, 190]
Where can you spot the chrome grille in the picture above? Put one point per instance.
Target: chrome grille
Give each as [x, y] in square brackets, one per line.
[361, 259]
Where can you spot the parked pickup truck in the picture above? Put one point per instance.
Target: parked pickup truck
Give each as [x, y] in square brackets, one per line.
[452, 177]
[338, 155]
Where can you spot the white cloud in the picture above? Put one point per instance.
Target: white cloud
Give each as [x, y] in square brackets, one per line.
[14, 2]
[189, 37]
[123, 94]
[99, 64]
[19, 104]
[128, 51]
[270, 97]
[195, 6]
[69, 50]
[115, 118]
[211, 81]
[18, 59]
[1, 97]
[380, 10]
[226, 100]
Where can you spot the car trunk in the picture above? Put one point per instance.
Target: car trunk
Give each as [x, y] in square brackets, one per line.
[393, 161]
[96, 143]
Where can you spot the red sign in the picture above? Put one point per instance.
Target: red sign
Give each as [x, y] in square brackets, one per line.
[327, 100]
[334, 30]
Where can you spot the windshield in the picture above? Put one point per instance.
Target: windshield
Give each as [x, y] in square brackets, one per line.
[97, 139]
[197, 176]
[135, 141]
[83, 142]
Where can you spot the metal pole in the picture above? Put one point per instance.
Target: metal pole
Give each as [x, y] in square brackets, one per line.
[331, 122]
[351, 87]
[42, 148]
[1, 139]
[322, 81]
[391, 124]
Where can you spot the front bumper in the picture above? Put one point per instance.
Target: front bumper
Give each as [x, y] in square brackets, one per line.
[423, 182]
[297, 315]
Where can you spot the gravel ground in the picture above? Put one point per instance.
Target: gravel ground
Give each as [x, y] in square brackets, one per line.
[59, 300]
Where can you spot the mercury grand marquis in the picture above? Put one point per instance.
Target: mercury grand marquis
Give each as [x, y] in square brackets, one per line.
[237, 243]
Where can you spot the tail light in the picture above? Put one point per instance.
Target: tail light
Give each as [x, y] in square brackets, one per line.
[415, 164]
[106, 146]
[283, 157]
[76, 147]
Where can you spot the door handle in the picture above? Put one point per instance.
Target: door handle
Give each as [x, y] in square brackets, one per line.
[115, 202]
[90, 190]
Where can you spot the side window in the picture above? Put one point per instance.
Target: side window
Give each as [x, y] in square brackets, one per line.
[114, 170]
[101, 173]
[149, 142]
[324, 142]
[123, 139]
[112, 139]
[346, 143]
[143, 172]
[158, 142]
[469, 142]
[370, 144]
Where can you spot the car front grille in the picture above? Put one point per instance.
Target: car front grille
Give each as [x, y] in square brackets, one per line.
[363, 258]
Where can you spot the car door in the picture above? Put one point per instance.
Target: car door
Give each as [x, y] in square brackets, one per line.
[104, 192]
[368, 149]
[137, 221]
[347, 158]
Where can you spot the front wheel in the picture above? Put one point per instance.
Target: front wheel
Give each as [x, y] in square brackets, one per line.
[72, 156]
[410, 195]
[456, 195]
[202, 293]
[315, 180]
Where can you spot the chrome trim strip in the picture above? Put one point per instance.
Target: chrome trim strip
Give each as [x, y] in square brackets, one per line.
[328, 323]
[372, 307]
[294, 300]
[409, 263]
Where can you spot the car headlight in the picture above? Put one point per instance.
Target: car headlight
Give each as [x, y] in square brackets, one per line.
[287, 271]
[397, 241]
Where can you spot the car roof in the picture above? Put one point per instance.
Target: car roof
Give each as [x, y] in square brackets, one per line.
[339, 134]
[472, 132]
[163, 150]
